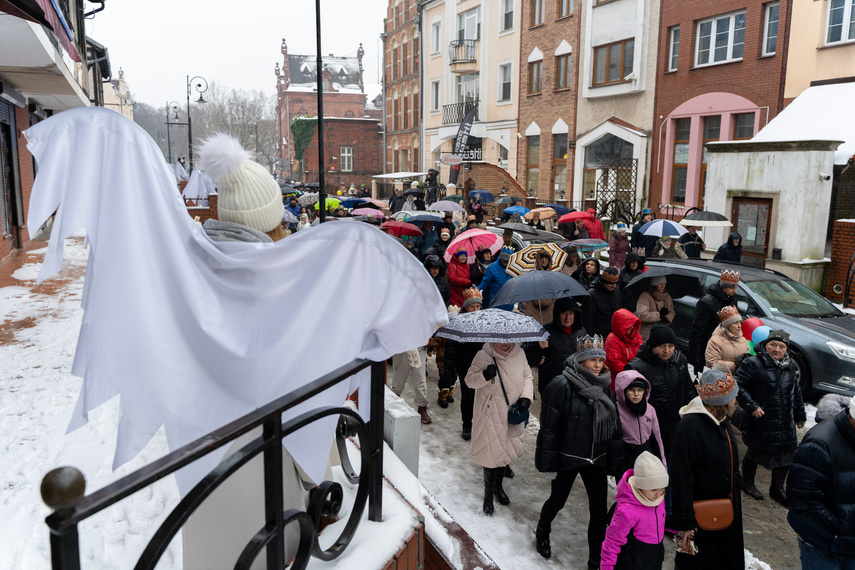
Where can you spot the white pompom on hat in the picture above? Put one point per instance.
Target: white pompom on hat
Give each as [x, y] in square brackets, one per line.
[248, 194]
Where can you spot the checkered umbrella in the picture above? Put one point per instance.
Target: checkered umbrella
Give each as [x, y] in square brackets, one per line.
[493, 325]
[526, 259]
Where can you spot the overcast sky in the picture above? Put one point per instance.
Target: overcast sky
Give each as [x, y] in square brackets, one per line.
[158, 44]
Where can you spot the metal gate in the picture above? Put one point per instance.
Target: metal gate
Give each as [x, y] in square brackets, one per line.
[616, 189]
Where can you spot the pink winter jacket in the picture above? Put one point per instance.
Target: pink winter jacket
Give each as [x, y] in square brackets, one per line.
[494, 442]
[646, 523]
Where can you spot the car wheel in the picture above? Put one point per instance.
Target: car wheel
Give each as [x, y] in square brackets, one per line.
[803, 375]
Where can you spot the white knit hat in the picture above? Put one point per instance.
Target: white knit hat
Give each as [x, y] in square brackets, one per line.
[248, 194]
[649, 473]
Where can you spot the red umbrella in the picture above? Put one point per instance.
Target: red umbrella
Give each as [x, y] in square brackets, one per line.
[399, 229]
[471, 241]
[573, 216]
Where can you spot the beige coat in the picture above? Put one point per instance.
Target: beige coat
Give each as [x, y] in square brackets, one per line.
[721, 349]
[494, 442]
[540, 310]
[647, 310]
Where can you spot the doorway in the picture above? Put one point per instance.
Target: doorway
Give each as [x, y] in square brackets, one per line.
[752, 218]
[9, 223]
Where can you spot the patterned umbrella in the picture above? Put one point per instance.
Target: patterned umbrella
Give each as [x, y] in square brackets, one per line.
[538, 285]
[289, 218]
[446, 206]
[399, 229]
[661, 228]
[525, 259]
[368, 212]
[583, 245]
[493, 325]
[473, 240]
[544, 213]
[308, 199]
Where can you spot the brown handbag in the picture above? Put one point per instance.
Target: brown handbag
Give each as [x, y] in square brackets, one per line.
[716, 514]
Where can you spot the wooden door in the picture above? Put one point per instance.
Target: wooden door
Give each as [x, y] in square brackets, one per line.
[752, 218]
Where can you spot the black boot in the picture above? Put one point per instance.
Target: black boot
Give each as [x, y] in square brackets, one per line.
[509, 473]
[776, 489]
[498, 477]
[450, 397]
[488, 491]
[541, 539]
[749, 470]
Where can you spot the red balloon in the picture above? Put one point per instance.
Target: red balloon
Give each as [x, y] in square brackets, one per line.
[748, 326]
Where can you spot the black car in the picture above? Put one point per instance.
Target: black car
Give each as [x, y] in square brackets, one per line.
[822, 337]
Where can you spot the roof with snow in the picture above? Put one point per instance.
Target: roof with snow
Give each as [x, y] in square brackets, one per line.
[345, 70]
[819, 113]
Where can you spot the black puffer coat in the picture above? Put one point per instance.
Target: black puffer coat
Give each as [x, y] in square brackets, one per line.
[561, 344]
[440, 280]
[705, 321]
[762, 384]
[566, 437]
[729, 252]
[625, 274]
[585, 280]
[671, 388]
[459, 356]
[821, 487]
[601, 306]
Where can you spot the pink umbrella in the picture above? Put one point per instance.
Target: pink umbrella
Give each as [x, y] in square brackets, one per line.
[379, 203]
[471, 241]
[368, 212]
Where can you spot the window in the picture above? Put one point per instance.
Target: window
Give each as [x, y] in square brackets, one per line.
[613, 62]
[416, 110]
[673, 48]
[600, 158]
[436, 38]
[559, 165]
[505, 78]
[394, 63]
[743, 126]
[720, 39]
[469, 25]
[405, 63]
[468, 87]
[682, 130]
[565, 8]
[345, 154]
[770, 29]
[535, 72]
[395, 114]
[841, 21]
[562, 72]
[532, 164]
[537, 9]
[406, 121]
[712, 132]
[435, 98]
[507, 21]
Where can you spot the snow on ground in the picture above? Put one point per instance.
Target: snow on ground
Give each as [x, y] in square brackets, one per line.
[845, 310]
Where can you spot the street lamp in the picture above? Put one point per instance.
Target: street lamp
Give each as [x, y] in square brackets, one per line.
[171, 108]
[201, 85]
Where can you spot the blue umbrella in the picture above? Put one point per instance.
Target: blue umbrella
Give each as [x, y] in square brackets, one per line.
[559, 209]
[351, 203]
[484, 196]
[422, 218]
[661, 228]
[538, 285]
[521, 210]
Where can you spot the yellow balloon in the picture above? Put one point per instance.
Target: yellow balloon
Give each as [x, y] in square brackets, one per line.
[339, 192]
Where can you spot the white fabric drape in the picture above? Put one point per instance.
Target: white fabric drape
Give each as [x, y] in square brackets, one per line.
[193, 334]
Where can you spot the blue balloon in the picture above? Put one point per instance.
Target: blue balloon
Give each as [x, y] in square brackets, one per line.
[760, 334]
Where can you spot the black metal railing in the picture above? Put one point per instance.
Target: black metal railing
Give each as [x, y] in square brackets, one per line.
[461, 51]
[455, 112]
[63, 488]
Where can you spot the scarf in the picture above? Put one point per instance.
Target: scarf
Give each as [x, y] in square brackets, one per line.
[731, 335]
[594, 389]
[660, 297]
[638, 409]
[784, 363]
[500, 352]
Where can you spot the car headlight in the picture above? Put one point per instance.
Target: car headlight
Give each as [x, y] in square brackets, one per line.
[843, 351]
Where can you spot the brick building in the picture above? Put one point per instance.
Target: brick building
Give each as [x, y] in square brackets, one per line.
[549, 46]
[401, 77]
[354, 152]
[297, 95]
[720, 78]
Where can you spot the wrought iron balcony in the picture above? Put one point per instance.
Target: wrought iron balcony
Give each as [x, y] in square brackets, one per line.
[461, 51]
[455, 112]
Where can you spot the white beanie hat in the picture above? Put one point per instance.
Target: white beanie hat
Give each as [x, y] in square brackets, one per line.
[649, 473]
[248, 194]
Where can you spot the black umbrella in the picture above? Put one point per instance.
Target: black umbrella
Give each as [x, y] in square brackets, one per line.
[508, 200]
[680, 282]
[517, 227]
[707, 219]
[414, 192]
[538, 285]
[422, 218]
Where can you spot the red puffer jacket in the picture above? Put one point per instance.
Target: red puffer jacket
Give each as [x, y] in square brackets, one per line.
[623, 342]
[458, 279]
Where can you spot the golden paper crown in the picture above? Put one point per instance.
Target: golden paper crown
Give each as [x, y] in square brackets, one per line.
[729, 277]
[611, 274]
[470, 293]
[728, 312]
[721, 388]
[589, 343]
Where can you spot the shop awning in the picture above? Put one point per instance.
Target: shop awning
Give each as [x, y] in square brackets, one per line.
[823, 112]
[395, 175]
[48, 13]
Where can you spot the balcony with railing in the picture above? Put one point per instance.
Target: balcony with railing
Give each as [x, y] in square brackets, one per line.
[461, 58]
[454, 113]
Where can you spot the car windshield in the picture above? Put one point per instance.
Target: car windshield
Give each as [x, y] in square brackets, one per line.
[791, 298]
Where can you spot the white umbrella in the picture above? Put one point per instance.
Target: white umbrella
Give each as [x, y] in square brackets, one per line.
[661, 228]
[493, 325]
